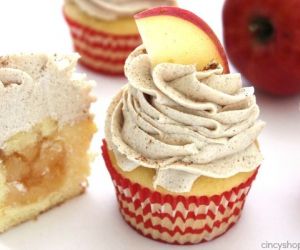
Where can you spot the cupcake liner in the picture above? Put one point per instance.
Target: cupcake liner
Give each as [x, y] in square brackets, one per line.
[177, 219]
[101, 52]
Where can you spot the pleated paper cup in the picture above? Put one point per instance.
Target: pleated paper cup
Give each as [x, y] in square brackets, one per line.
[177, 219]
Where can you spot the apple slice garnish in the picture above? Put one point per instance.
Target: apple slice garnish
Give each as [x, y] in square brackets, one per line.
[175, 35]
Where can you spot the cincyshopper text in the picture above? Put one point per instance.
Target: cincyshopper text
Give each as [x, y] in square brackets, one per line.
[280, 245]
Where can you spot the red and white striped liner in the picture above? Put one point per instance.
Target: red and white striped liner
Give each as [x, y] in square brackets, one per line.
[102, 52]
[177, 219]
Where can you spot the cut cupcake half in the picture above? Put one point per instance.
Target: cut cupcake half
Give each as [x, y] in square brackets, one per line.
[46, 129]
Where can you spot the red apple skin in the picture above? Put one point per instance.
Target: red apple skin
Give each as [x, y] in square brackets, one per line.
[273, 66]
[192, 18]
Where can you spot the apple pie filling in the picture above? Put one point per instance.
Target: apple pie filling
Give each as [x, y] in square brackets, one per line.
[36, 163]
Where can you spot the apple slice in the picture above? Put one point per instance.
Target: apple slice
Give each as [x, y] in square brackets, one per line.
[175, 35]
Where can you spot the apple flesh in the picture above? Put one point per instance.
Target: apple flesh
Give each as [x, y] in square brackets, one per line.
[175, 35]
[262, 39]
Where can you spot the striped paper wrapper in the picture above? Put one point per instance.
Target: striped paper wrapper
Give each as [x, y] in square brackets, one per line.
[177, 219]
[102, 52]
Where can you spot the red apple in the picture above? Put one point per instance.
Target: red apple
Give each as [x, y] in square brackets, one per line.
[171, 34]
[262, 39]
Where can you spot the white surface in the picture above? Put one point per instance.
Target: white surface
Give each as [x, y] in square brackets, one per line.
[92, 221]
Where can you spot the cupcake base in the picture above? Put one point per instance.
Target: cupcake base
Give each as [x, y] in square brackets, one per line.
[101, 51]
[177, 219]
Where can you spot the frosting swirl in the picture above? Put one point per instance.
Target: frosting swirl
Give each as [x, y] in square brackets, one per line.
[183, 122]
[113, 9]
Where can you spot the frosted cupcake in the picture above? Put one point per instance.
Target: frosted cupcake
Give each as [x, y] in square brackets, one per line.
[104, 32]
[181, 138]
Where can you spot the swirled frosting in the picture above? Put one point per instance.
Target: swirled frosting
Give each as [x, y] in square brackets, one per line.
[113, 9]
[183, 122]
[34, 87]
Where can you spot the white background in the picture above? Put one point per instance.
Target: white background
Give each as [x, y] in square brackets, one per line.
[92, 221]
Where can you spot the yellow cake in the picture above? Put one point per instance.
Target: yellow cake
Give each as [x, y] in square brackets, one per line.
[46, 133]
[203, 186]
[120, 26]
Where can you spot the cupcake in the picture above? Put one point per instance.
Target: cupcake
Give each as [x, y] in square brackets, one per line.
[46, 129]
[181, 137]
[104, 32]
